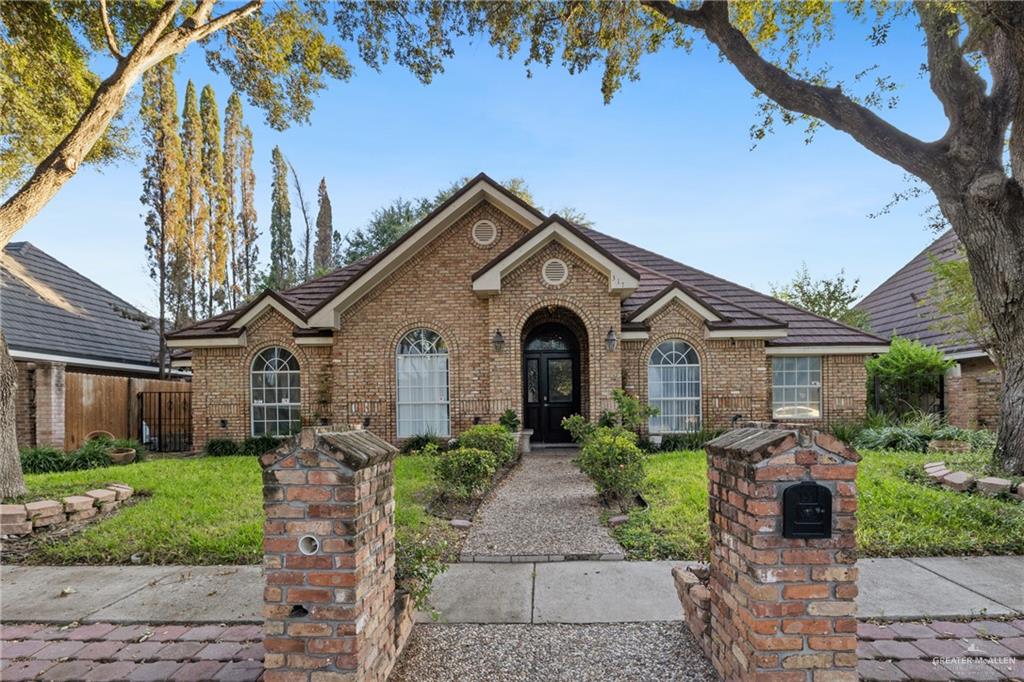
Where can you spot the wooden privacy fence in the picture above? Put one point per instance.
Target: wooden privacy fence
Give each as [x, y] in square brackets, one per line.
[98, 402]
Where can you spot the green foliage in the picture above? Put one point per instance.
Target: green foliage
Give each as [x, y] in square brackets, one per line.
[464, 472]
[908, 376]
[830, 298]
[258, 445]
[494, 438]
[421, 441]
[957, 310]
[913, 434]
[222, 447]
[689, 441]
[42, 459]
[630, 413]
[579, 428]
[612, 459]
[510, 420]
[282, 255]
[418, 561]
[92, 455]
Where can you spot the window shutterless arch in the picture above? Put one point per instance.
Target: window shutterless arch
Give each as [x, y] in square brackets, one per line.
[421, 374]
[275, 394]
[673, 386]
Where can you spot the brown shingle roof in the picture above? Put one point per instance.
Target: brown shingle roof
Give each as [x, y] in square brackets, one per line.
[743, 308]
[900, 305]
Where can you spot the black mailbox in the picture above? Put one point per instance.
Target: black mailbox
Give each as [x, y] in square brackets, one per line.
[807, 511]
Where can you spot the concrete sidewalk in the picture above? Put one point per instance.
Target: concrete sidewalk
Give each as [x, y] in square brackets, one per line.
[569, 592]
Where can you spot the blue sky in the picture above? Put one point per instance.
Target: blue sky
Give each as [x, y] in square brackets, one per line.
[667, 165]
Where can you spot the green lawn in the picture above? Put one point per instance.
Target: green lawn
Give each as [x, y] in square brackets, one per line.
[199, 511]
[897, 517]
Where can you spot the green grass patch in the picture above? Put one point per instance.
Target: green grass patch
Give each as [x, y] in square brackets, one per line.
[899, 514]
[207, 510]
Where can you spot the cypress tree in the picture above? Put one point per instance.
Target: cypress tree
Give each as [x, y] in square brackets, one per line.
[282, 254]
[232, 159]
[213, 183]
[196, 211]
[248, 249]
[322, 256]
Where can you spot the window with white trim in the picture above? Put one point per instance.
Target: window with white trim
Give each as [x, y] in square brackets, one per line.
[673, 386]
[796, 387]
[422, 374]
[275, 393]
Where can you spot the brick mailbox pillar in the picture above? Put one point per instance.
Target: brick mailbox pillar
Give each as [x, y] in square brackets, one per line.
[777, 603]
[330, 609]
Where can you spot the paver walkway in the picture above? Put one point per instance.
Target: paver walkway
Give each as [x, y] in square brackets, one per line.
[546, 510]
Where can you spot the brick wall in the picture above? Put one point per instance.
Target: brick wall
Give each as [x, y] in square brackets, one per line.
[25, 405]
[48, 381]
[972, 395]
[776, 608]
[330, 608]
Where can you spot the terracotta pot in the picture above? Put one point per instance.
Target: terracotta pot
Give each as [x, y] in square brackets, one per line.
[122, 455]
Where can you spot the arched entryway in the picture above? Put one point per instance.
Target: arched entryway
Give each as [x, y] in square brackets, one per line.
[553, 365]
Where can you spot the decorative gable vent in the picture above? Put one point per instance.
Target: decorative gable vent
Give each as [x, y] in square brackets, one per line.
[555, 271]
[485, 232]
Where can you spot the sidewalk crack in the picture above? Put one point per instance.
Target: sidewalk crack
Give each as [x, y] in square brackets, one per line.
[914, 561]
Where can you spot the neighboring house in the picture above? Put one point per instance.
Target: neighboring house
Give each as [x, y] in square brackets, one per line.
[901, 306]
[488, 305]
[82, 354]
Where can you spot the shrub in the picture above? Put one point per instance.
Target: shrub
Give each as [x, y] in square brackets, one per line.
[578, 427]
[465, 472]
[612, 459]
[418, 560]
[908, 376]
[510, 420]
[257, 445]
[43, 460]
[92, 455]
[418, 442]
[491, 437]
[220, 447]
[688, 441]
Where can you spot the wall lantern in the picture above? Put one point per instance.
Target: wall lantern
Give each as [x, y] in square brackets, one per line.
[612, 340]
[498, 341]
[366, 422]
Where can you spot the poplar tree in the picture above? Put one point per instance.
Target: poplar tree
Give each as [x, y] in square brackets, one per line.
[282, 254]
[232, 156]
[163, 193]
[307, 232]
[322, 252]
[196, 210]
[213, 184]
[249, 230]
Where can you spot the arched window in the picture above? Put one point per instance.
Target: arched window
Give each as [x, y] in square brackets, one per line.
[422, 372]
[673, 386]
[274, 382]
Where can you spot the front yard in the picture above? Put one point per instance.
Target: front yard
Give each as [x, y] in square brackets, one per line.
[896, 516]
[209, 511]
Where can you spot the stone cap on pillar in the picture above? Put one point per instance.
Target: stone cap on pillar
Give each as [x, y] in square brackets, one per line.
[757, 441]
[352, 449]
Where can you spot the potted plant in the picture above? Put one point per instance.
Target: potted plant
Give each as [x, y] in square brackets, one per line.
[119, 455]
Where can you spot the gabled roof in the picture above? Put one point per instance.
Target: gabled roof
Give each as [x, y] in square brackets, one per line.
[901, 305]
[622, 278]
[738, 308]
[68, 315]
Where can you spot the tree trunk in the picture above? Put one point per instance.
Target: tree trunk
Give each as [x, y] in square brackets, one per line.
[989, 219]
[11, 481]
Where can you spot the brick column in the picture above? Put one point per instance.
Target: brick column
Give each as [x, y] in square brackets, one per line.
[49, 395]
[330, 608]
[781, 608]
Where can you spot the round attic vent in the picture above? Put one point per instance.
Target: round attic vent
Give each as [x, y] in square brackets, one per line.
[555, 271]
[485, 232]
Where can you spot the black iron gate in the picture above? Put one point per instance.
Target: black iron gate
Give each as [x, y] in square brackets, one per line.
[898, 397]
[165, 420]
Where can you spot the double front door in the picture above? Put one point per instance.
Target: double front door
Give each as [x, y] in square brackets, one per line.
[550, 382]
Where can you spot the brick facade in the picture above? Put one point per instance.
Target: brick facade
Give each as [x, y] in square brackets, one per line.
[25, 404]
[330, 608]
[39, 404]
[972, 394]
[773, 607]
[352, 380]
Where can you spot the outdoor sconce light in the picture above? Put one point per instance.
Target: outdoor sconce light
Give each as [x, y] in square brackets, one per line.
[366, 422]
[476, 420]
[498, 341]
[223, 423]
[612, 340]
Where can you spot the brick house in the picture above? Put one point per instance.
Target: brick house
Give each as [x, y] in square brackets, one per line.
[901, 306]
[488, 305]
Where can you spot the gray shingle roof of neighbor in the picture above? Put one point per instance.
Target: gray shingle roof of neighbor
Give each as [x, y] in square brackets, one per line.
[741, 307]
[901, 305]
[97, 328]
